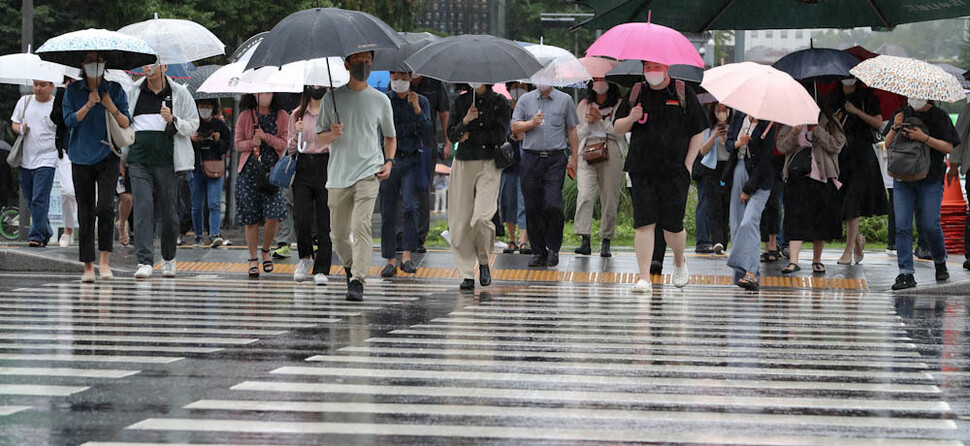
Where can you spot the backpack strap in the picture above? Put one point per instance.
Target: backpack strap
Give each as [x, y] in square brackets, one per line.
[681, 88]
[634, 94]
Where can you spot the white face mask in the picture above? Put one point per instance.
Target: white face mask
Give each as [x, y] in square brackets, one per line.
[848, 82]
[916, 103]
[475, 85]
[205, 113]
[264, 100]
[601, 87]
[654, 78]
[722, 116]
[94, 70]
[517, 93]
[400, 86]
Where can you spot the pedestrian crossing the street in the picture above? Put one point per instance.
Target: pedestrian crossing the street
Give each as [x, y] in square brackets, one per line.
[596, 364]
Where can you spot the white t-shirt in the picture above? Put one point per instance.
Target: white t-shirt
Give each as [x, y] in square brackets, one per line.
[39, 149]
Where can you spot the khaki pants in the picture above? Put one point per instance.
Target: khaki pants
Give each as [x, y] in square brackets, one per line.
[357, 203]
[606, 177]
[472, 201]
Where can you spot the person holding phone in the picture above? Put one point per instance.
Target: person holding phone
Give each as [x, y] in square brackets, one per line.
[212, 142]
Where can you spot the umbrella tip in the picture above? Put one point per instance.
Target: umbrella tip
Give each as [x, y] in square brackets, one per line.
[156, 16]
[649, 15]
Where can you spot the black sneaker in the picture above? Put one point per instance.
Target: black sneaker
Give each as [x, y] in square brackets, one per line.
[966, 264]
[553, 259]
[388, 270]
[538, 260]
[525, 249]
[355, 291]
[704, 250]
[942, 275]
[656, 268]
[484, 275]
[605, 249]
[421, 250]
[467, 285]
[408, 267]
[349, 274]
[904, 281]
[584, 248]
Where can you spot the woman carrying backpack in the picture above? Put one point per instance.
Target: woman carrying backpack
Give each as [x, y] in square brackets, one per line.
[922, 122]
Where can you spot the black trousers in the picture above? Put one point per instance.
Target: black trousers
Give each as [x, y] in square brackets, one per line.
[309, 203]
[542, 180]
[94, 187]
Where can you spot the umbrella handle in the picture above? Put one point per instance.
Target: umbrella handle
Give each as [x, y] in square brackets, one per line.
[332, 95]
[643, 119]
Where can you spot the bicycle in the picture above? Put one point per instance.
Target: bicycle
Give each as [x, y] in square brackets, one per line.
[10, 223]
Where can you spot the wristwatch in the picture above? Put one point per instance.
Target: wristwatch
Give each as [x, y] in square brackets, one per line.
[390, 160]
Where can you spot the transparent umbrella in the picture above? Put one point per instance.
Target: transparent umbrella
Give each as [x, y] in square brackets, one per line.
[559, 67]
[24, 68]
[176, 41]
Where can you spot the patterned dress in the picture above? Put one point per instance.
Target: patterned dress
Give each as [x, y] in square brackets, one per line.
[252, 206]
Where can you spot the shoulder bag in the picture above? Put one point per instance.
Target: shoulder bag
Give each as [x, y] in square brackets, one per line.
[118, 137]
[17, 152]
[214, 168]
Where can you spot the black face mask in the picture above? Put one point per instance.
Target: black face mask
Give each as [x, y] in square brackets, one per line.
[360, 71]
[316, 93]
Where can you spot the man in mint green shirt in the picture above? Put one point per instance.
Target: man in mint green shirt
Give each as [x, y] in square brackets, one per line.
[357, 164]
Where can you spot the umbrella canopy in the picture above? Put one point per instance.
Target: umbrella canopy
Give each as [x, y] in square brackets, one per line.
[763, 92]
[228, 79]
[174, 71]
[327, 71]
[24, 68]
[704, 15]
[559, 67]
[198, 77]
[820, 64]
[474, 58]
[393, 59]
[598, 66]
[176, 41]
[380, 80]
[909, 77]
[957, 72]
[247, 47]
[122, 52]
[323, 32]
[630, 72]
[646, 41]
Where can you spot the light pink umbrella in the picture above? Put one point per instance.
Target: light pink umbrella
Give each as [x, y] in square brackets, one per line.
[763, 92]
[500, 89]
[598, 66]
[646, 41]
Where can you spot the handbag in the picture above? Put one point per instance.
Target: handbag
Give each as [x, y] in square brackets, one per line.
[800, 163]
[505, 155]
[282, 173]
[214, 168]
[118, 137]
[263, 185]
[596, 153]
[17, 151]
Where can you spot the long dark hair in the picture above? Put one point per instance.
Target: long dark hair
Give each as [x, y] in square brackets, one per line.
[612, 95]
[304, 102]
[248, 102]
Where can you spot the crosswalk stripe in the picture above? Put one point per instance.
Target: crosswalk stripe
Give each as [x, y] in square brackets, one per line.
[696, 339]
[10, 410]
[76, 328]
[140, 443]
[175, 307]
[563, 379]
[547, 366]
[455, 410]
[221, 298]
[506, 432]
[85, 320]
[104, 347]
[62, 372]
[199, 317]
[603, 397]
[638, 317]
[527, 323]
[39, 390]
[483, 353]
[595, 346]
[90, 358]
[699, 312]
[151, 309]
[127, 339]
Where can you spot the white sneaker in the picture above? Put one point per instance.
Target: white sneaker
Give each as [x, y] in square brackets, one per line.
[302, 267]
[718, 248]
[65, 240]
[891, 252]
[143, 272]
[681, 276]
[168, 268]
[320, 279]
[642, 286]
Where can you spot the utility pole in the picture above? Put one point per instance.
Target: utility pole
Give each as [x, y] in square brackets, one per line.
[26, 41]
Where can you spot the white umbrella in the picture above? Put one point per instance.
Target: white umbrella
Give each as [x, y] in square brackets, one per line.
[304, 72]
[560, 68]
[24, 68]
[176, 41]
[228, 79]
[761, 91]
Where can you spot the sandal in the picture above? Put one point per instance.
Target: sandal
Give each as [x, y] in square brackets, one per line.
[123, 236]
[818, 267]
[267, 264]
[791, 268]
[253, 269]
[510, 248]
[748, 283]
[770, 256]
[35, 244]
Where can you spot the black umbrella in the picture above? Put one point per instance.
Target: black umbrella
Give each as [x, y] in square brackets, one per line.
[630, 72]
[197, 77]
[474, 58]
[393, 59]
[818, 64]
[323, 32]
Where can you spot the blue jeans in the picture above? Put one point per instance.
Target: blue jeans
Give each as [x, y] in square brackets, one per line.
[205, 191]
[36, 186]
[926, 196]
[404, 182]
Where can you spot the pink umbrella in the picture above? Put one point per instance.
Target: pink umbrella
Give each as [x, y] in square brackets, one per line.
[598, 66]
[763, 92]
[646, 41]
[500, 89]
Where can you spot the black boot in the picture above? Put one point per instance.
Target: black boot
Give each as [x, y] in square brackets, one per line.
[942, 275]
[584, 248]
[605, 249]
[484, 275]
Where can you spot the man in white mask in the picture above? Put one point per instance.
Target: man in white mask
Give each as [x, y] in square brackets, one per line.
[412, 123]
[667, 124]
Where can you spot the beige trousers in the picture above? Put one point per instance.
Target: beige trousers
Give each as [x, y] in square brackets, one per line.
[351, 209]
[606, 177]
[472, 201]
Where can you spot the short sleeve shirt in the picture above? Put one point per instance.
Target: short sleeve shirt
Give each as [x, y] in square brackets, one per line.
[941, 127]
[558, 116]
[660, 145]
[366, 116]
[39, 149]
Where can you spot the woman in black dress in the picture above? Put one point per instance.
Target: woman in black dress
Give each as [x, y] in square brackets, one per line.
[863, 193]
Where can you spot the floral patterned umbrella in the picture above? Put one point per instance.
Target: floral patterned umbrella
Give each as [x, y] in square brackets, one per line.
[909, 77]
[123, 52]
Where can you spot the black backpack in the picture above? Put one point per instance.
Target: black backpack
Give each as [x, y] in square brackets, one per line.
[909, 160]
